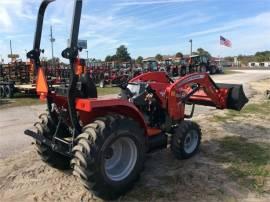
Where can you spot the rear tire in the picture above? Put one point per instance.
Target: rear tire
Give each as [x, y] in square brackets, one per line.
[183, 71]
[8, 91]
[46, 128]
[109, 156]
[2, 92]
[213, 70]
[186, 140]
[203, 69]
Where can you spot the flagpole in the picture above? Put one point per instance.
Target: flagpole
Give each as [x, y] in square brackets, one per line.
[220, 50]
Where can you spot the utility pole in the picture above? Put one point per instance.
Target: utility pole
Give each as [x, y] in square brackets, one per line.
[87, 57]
[10, 46]
[52, 41]
[190, 47]
[25, 55]
[190, 41]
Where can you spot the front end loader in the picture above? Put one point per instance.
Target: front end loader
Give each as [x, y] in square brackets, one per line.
[104, 141]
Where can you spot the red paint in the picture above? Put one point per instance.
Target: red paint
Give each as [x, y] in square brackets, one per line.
[168, 95]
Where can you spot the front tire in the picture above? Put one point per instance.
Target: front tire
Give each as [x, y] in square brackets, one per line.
[186, 140]
[109, 155]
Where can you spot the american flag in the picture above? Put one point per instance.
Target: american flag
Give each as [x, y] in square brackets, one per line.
[225, 42]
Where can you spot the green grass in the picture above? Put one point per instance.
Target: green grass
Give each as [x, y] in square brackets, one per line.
[24, 100]
[108, 91]
[258, 109]
[20, 99]
[249, 163]
[16, 102]
[261, 108]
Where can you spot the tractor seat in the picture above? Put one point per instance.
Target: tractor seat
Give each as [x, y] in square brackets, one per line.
[85, 88]
[88, 87]
[136, 92]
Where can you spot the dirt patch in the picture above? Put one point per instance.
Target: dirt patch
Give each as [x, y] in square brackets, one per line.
[232, 165]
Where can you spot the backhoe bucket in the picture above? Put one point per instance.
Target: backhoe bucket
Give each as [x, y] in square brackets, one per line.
[236, 97]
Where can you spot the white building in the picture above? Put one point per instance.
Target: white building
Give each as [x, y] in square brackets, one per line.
[259, 64]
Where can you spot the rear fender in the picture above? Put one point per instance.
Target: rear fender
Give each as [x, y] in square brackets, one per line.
[90, 109]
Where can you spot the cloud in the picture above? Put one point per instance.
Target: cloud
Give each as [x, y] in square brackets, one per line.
[106, 31]
[5, 19]
[186, 19]
[99, 22]
[15, 10]
[17, 36]
[138, 3]
[146, 26]
[54, 21]
[258, 20]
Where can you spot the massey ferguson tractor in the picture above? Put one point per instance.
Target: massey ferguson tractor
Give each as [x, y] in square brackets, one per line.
[105, 141]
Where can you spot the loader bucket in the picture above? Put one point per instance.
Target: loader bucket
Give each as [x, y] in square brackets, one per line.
[236, 97]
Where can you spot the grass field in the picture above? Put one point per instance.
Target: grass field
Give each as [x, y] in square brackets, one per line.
[108, 91]
[260, 110]
[248, 162]
[23, 100]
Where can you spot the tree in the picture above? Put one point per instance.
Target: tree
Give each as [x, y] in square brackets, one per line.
[114, 58]
[201, 51]
[108, 58]
[262, 56]
[54, 61]
[139, 60]
[122, 54]
[179, 55]
[159, 57]
[229, 59]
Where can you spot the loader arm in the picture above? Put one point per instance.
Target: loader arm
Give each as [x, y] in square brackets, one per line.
[199, 88]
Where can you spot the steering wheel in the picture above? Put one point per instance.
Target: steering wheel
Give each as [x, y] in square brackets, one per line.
[126, 93]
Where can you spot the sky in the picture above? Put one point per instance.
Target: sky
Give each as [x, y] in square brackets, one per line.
[146, 27]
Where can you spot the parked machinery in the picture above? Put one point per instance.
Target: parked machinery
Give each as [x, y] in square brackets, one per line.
[202, 63]
[14, 74]
[105, 140]
[175, 68]
[150, 65]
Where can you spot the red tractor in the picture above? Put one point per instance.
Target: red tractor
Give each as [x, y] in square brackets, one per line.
[105, 141]
[202, 63]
